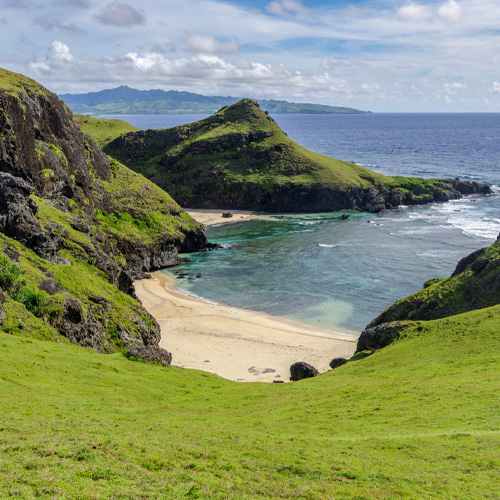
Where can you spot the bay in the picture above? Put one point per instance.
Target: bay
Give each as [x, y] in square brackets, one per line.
[320, 270]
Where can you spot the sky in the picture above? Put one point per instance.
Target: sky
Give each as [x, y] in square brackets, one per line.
[382, 56]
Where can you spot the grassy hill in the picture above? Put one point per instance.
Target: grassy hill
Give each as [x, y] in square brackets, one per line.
[418, 419]
[76, 227]
[240, 158]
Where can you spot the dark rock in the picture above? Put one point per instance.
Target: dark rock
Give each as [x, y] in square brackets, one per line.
[278, 381]
[479, 264]
[51, 286]
[80, 225]
[466, 261]
[336, 362]
[3, 314]
[344, 216]
[79, 328]
[151, 353]
[227, 215]
[47, 246]
[301, 370]
[104, 303]
[378, 336]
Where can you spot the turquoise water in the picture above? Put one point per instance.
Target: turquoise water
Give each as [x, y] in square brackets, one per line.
[327, 272]
[323, 271]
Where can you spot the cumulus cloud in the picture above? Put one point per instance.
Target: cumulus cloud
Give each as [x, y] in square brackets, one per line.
[414, 13]
[207, 44]
[48, 25]
[58, 54]
[285, 7]
[450, 11]
[120, 15]
[495, 88]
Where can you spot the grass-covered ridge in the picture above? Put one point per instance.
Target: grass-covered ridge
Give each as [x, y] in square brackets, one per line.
[240, 158]
[418, 419]
[103, 130]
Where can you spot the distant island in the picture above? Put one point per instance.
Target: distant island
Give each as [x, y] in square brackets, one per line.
[127, 101]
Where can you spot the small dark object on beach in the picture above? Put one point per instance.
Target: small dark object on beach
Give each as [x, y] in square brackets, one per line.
[278, 381]
[344, 216]
[301, 369]
[227, 215]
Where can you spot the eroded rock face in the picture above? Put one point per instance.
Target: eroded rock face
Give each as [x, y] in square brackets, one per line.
[151, 353]
[301, 370]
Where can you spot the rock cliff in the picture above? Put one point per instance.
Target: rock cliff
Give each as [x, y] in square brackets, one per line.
[77, 226]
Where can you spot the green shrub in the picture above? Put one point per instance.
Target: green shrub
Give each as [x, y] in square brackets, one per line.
[10, 275]
[36, 303]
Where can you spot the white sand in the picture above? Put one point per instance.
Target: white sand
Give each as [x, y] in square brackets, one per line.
[236, 344]
[212, 216]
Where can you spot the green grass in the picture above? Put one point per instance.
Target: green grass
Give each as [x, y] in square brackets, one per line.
[15, 83]
[103, 130]
[240, 145]
[418, 419]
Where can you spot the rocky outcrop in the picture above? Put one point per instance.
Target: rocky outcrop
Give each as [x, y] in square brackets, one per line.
[151, 353]
[378, 336]
[301, 370]
[57, 192]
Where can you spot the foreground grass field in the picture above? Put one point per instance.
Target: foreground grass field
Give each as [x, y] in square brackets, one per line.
[418, 419]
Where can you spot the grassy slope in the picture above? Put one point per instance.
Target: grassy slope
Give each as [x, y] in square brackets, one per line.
[103, 130]
[293, 163]
[419, 419]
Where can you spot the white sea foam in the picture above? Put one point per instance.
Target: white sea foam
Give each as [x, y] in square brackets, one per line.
[326, 245]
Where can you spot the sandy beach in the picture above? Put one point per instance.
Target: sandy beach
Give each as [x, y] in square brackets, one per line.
[211, 216]
[236, 344]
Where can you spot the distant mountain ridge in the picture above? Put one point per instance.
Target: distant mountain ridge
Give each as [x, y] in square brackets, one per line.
[124, 100]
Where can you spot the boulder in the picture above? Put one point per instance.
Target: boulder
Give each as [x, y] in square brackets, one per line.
[50, 286]
[336, 362]
[301, 369]
[151, 353]
[378, 336]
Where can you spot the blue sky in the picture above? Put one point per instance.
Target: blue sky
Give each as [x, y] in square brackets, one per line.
[384, 56]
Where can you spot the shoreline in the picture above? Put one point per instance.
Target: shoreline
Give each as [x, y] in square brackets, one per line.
[234, 343]
[213, 216]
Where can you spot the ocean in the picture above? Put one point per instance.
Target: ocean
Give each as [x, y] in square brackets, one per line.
[318, 269]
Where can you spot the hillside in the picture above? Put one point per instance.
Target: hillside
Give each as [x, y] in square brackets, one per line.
[473, 286]
[76, 228]
[240, 158]
[418, 419]
[126, 101]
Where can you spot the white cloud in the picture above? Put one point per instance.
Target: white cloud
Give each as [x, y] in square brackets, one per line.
[450, 11]
[285, 7]
[453, 88]
[121, 15]
[59, 52]
[207, 44]
[414, 13]
[495, 88]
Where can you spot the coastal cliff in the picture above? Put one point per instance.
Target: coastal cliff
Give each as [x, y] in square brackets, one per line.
[239, 158]
[76, 228]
